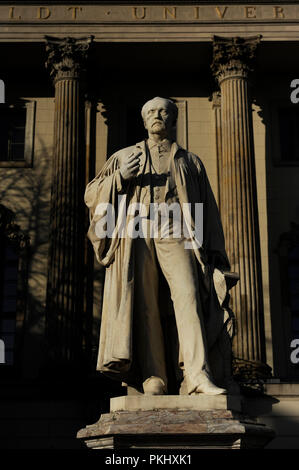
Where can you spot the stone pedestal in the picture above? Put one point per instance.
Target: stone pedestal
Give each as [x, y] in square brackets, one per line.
[175, 422]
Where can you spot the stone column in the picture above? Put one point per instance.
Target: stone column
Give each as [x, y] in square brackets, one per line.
[90, 140]
[216, 105]
[232, 63]
[66, 61]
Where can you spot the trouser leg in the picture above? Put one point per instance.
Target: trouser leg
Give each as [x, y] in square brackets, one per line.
[180, 270]
[148, 334]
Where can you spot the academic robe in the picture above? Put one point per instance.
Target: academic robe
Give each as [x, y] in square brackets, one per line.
[191, 185]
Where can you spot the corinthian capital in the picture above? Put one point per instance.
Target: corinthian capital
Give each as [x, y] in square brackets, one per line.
[66, 57]
[233, 57]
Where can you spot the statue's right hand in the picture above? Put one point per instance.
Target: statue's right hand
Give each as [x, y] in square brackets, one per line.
[129, 166]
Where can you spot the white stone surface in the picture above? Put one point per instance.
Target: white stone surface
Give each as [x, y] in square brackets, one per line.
[180, 402]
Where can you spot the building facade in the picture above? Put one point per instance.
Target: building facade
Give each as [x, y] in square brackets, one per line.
[74, 78]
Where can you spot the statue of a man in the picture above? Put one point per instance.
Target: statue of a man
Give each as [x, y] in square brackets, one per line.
[134, 180]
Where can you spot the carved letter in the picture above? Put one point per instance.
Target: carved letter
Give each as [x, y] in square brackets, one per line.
[221, 13]
[250, 12]
[135, 13]
[74, 12]
[171, 12]
[11, 13]
[196, 13]
[278, 12]
[40, 13]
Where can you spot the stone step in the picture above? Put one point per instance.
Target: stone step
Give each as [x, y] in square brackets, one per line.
[178, 402]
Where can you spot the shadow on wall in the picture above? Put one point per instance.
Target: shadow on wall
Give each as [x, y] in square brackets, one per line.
[282, 214]
[26, 192]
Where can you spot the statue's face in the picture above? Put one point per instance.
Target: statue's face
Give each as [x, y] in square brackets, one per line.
[158, 117]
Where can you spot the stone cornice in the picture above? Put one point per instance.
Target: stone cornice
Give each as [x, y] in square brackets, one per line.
[151, 2]
[233, 57]
[67, 57]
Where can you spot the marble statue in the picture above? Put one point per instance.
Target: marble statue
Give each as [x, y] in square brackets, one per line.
[161, 293]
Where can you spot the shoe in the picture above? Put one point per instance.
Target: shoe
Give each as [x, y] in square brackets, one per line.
[154, 386]
[208, 388]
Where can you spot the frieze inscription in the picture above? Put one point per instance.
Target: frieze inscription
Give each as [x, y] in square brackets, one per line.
[147, 13]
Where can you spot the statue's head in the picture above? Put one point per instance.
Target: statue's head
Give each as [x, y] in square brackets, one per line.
[159, 116]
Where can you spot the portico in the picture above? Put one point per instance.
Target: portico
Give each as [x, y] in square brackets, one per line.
[103, 61]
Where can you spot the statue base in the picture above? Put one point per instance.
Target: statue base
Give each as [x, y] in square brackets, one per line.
[176, 422]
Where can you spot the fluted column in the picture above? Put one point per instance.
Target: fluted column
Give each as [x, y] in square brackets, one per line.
[232, 64]
[216, 105]
[66, 62]
[90, 139]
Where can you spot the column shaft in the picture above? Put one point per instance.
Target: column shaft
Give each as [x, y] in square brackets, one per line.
[237, 191]
[65, 296]
[216, 103]
[238, 199]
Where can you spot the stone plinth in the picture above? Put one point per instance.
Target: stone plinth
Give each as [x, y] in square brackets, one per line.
[174, 422]
[176, 402]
